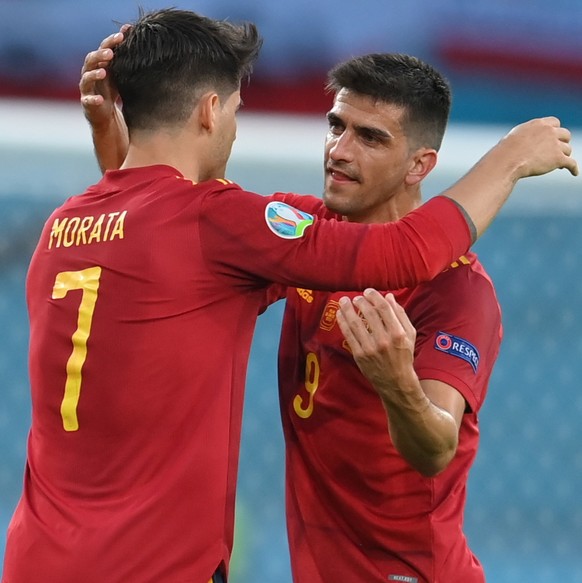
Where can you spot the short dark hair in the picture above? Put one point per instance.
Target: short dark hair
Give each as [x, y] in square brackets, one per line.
[170, 57]
[400, 80]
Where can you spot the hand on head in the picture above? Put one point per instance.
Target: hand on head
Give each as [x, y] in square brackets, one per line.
[98, 96]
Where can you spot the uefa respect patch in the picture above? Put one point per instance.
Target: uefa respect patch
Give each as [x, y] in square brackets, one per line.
[285, 221]
[458, 347]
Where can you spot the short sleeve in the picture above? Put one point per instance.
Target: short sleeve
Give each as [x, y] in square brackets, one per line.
[458, 322]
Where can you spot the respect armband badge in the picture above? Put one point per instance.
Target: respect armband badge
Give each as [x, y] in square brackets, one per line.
[458, 347]
[286, 221]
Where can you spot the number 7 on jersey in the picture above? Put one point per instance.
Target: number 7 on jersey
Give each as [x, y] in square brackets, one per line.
[88, 281]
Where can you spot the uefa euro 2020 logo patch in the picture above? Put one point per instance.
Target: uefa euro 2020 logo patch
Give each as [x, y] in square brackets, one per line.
[285, 221]
[457, 347]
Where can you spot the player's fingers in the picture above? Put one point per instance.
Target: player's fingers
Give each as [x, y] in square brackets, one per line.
[91, 77]
[345, 329]
[384, 311]
[564, 134]
[350, 324]
[566, 149]
[112, 40]
[373, 296]
[96, 59]
[364, 323]
[103, 65]
[89, 80]
[385, 331]
[565, 137]
[551, 120]
[105, 51]
[571, 165]
[90, 101]
[376, 313]
[402, 316]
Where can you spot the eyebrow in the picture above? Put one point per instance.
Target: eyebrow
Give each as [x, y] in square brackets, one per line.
[376, 133]
[332, 117]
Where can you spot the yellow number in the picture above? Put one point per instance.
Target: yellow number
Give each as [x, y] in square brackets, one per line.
[88, 281]
[311, 384]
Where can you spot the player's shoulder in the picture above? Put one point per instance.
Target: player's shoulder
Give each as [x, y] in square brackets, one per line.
[224, 184]
[217, 185]
[466, 275]
[466, 266]
[221, 193]
[463, 294]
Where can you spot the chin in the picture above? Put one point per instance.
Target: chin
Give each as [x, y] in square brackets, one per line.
[333, 203]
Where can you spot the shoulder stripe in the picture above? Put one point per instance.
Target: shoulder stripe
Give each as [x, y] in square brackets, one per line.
[462, 260]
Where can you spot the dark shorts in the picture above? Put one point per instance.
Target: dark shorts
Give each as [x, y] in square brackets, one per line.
[218, 578]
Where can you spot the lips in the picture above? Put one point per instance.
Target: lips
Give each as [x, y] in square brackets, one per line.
[341, 176]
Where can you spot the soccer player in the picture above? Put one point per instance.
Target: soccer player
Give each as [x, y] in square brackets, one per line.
[143, 294]
[376, 487]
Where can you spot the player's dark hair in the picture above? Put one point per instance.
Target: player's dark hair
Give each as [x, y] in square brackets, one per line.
[170, 57]
[404, 81]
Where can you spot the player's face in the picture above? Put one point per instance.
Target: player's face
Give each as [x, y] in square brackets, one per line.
[367, 158]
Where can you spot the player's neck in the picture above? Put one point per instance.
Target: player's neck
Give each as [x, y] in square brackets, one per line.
[166, 149]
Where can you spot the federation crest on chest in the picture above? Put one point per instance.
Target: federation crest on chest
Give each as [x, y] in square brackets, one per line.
[328, 316]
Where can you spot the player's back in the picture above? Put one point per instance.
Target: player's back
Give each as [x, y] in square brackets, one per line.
[127, 328]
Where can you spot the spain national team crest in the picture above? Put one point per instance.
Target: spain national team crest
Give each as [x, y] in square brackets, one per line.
[458, 347]
[285, 221]
[329, 315]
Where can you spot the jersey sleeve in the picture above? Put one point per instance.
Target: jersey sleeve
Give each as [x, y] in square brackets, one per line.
[307, 203]
[458, 332]
[247, 236]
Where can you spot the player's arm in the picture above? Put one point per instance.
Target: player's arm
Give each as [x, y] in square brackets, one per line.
[533, 148]
[530, 149]
[424, 416]
[307, 203]
[100, 105]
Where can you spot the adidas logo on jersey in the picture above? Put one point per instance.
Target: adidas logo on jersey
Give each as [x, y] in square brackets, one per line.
[306, 294]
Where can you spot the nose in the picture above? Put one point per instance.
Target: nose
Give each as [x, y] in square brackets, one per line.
[340, 147]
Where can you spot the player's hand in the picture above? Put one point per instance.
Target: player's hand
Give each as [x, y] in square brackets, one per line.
[381, 338]
[98, 96]
[540, 145]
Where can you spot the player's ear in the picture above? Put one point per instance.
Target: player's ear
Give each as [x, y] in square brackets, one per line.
[421, 164]
[207, 106]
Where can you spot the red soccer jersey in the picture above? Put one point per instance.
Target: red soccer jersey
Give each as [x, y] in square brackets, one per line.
[143, 295]
[356, 510]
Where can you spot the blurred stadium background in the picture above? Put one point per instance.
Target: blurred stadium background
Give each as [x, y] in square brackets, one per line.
[507, 62]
